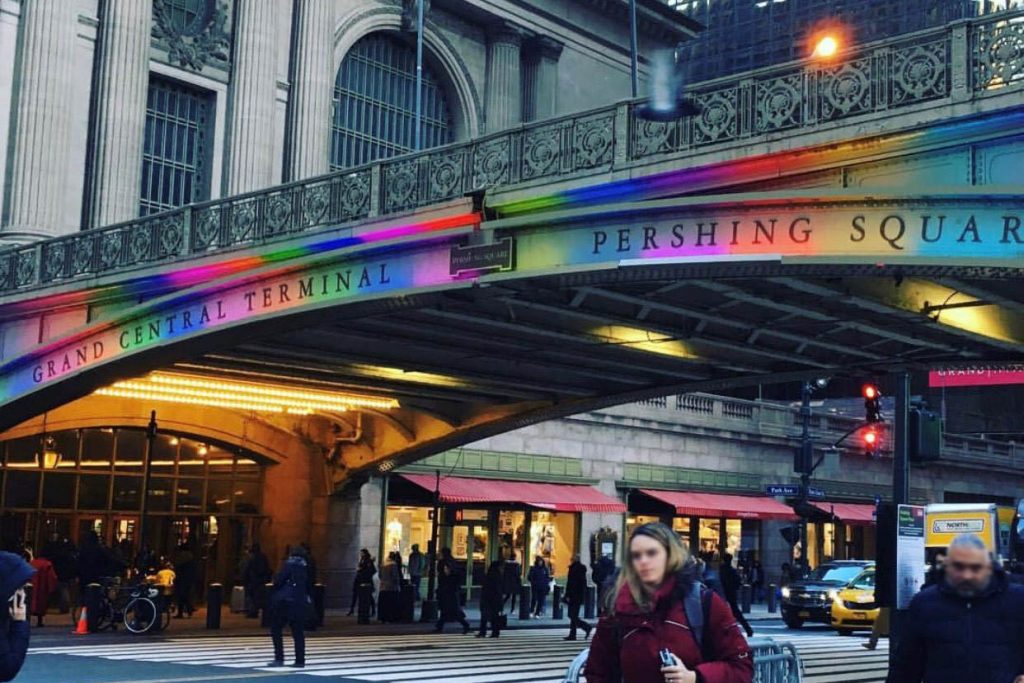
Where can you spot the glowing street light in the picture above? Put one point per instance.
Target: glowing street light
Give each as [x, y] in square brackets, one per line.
[826, 47]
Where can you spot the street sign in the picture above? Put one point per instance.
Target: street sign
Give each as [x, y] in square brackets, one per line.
[910, 557]
[499, 256]
[813, 492]
[788, 490]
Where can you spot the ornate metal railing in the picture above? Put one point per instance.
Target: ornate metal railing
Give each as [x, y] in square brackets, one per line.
[760, 419]
[962, 61]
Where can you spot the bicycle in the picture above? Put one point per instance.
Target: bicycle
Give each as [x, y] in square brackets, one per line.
[140, 607]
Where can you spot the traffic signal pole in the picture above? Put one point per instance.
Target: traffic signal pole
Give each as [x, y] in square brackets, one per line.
[900, 486]
[806, 459]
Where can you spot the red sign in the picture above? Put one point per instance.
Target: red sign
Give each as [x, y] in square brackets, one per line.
[977, 376]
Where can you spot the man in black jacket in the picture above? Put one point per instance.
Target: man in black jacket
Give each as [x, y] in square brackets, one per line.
[731, 582]
[14, 574]
[968, 627]
[575, 595]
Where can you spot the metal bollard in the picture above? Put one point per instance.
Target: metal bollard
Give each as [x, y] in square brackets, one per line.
[214, 600]
[525, 595]
[365, 593]
[92, 600]
[772, 599]
[745, 597]
[556, 608]
[265, 607]
[318, 603]
[590, 603]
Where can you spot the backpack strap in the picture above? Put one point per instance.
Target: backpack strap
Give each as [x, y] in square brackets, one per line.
[697, 606]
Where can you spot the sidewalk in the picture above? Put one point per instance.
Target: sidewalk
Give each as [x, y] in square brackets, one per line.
[58, 627]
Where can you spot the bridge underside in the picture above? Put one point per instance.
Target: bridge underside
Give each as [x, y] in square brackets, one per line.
[476, 361]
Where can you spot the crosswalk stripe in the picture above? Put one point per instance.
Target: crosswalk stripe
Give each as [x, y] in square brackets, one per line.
[521, 656]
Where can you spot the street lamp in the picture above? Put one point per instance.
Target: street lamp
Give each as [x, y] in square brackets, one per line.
[826, 47]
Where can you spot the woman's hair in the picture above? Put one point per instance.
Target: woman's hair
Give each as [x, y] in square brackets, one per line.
[677, 559]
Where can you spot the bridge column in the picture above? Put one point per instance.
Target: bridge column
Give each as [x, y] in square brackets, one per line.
[122, 81]
[250, 149]
[504, 102]
[42, 122]
[540, 82]
[309, 116]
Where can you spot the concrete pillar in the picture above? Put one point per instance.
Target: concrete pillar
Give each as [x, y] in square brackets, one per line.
[504, 101]
[250, 148]
[540, 78]
[42, 122]
[10, 15]
[122, 81]
[354, 522]
[310, 100]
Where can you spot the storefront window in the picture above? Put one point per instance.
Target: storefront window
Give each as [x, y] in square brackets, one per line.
[512, 534]
[189, 495]
[218, 495]
[130, 451]
[59, 490]
[709, 535]
[633, 521]
[93, 491]
[161, 494]
[21, 453]
[97, 447]
[127, 493]
[733, 537]
[406, 526]
[553, 537]
[828, 541]
[247, 498]
[681, 525]
[22, 489]
[165, 452]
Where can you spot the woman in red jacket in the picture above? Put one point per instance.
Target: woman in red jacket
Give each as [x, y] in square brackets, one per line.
[646, 614]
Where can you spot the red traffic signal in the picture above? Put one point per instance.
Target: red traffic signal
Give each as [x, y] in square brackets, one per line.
[872, 403]
[871, 442]
[871, 438]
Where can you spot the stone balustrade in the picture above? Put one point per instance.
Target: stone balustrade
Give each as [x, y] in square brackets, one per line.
[962, 62]
[782, 421]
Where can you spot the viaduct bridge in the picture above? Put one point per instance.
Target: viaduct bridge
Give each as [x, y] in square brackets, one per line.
[854, 217]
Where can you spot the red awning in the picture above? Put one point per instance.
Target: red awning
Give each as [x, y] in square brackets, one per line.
[851, 513]
[557, 497]
[723, 505]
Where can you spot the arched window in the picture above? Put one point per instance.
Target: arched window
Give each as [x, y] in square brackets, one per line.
[375, 103]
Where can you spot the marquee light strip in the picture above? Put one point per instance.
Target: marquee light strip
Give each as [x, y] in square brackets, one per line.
[192, 390]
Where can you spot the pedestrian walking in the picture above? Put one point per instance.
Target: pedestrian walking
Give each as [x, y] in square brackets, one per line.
[540, 585]
[757, 580]
[62, 553]
[44, 584]
[879, 629]
[512, 580]
[14, 629]
[390, 588]
[365, 571]
[731, 582]
[417, 565]
[255, 576]
[659, 602]
[291, 604]
[94, 561]
[492, 600]
[448, 585]
[968, 627]
[185, 572]
[603, 572]
[575, 596]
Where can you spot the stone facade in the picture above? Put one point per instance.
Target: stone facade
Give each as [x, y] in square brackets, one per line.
[74, 73]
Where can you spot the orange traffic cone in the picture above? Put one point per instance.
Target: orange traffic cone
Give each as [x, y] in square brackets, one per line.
[83, 625]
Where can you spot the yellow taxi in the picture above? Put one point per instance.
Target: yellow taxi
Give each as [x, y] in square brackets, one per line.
[853, 606]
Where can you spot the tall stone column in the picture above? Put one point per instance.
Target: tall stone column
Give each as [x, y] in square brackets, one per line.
[504, 101]
[309, 115]
[42, 122]
[122, 81]
[540, 78]
[250, 150]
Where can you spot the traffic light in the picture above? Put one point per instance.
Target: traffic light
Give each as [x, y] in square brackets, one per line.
[871, 442]
[803, 458]
[925, 436]
[872, 403]
[791, 534]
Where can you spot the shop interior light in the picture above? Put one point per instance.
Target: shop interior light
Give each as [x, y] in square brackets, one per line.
[254, 396]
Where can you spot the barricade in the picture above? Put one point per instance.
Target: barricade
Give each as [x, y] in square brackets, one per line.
[774, 662]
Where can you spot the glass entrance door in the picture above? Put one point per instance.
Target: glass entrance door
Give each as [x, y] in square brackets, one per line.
[471, 548]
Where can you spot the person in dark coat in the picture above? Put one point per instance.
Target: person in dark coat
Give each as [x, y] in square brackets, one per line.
[731, 588]
[14, 629]
[365, 571]
[255, 575]
[757, 580]
[290, 604]
[968, 627]
[575, 596]
[540, 585]
[512, 580]
[603, 572]
[94, 561]
[448, 585]
[62, 553]
[492, 599]
[185, 571]
[648, 603]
